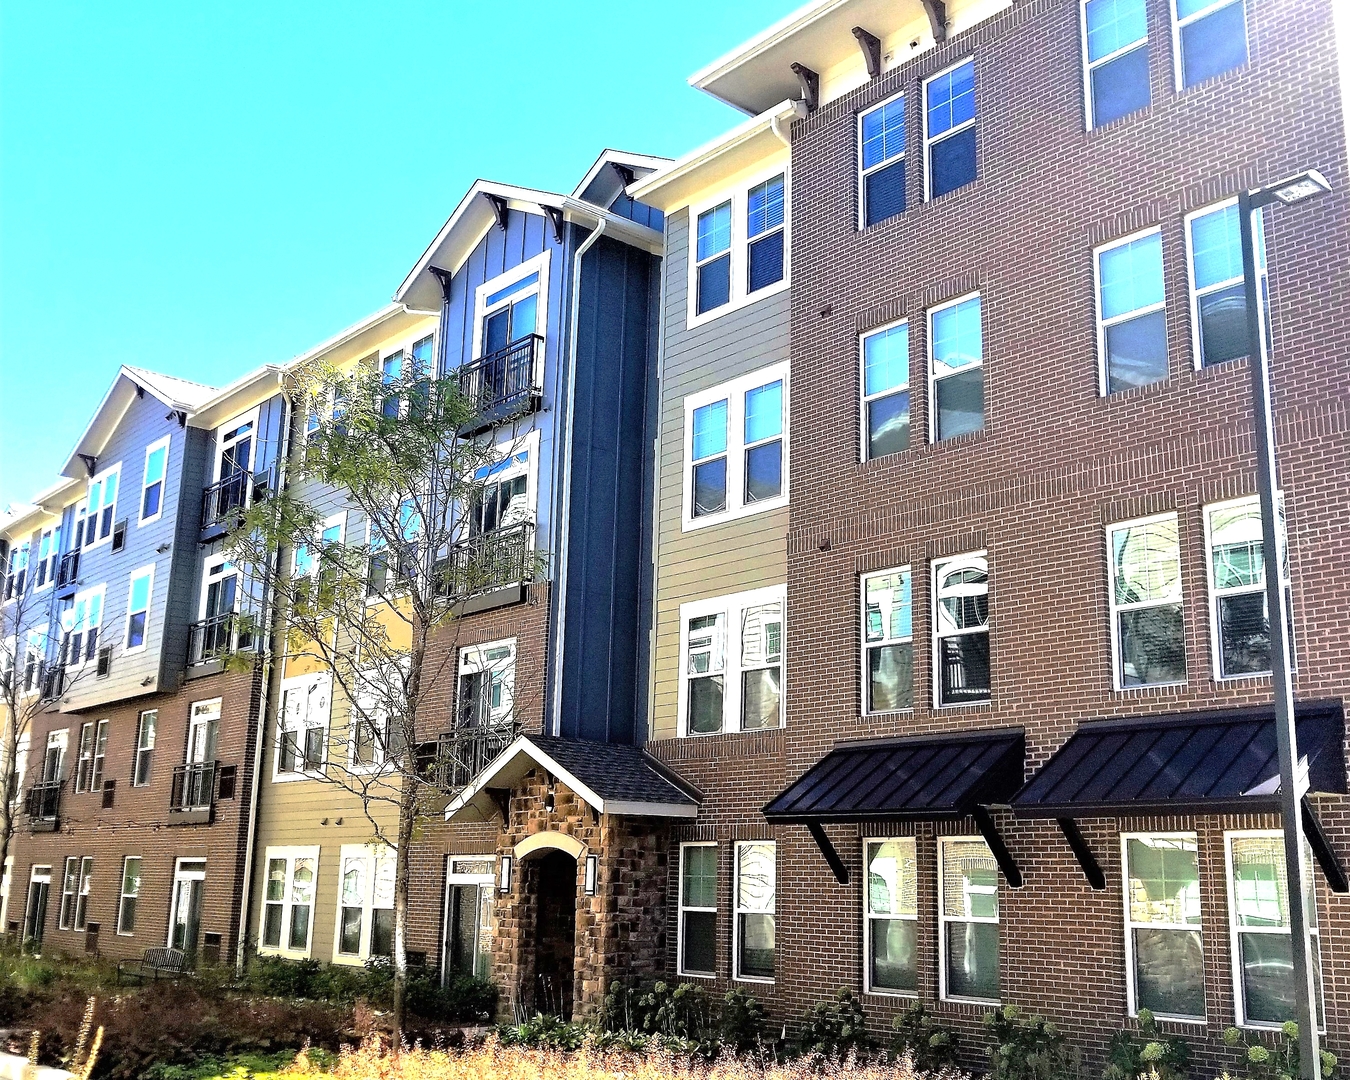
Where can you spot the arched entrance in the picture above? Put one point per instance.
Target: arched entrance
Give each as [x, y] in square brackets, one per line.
[554, 880]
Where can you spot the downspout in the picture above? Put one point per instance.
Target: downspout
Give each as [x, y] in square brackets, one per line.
[563, 521]
[270, 691]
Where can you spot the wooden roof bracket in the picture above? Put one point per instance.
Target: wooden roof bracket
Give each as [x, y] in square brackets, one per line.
[499, 209]
[810, 84]
[937, 17]
[555, 215]
[1083, 853]
[1322, 850]
[444, 278]
[870, 45]
[827, 849]
[90, 463]
[502, 798]
[1000, 851]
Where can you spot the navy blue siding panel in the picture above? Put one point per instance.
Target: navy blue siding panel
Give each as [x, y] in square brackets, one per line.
[626, 206]
[271, 414]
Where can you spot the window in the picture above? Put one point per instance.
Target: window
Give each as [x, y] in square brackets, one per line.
[956, 376]
[736, 440]
[93, 750]
[755, 875]
[714, 258]
[1239, 618]
[1164, 960]
[1218, 292]
[766, 226]
[102, 505]
[504, 499]
[70, 888]
[34, 658]
[387, 572]
[1131, 322]
[80, 621]
[185, 912]
[949, 128]
[312, 560]
[131, 891]
[1210, 37]
[288, 902]
[470, 893]
[49, 556]
[365, 903]
[698, 909]
[732, 658]
[375, 736]
[218, 632]
[1115, 37]
[18, 571]
[888, 641]
[302, 726]
[961, 630]
[881, 158]
[885, 391]
[509, 308]
[968, 919]
[145, 747]
[487, 678]
[234, 466]
[892, 917]
[82, 899]
[203, 727]
[138, 607]
[1147, 635]
[1258, 908]
[152, 487]
[54, 757]
[100, 755]
[739, 247]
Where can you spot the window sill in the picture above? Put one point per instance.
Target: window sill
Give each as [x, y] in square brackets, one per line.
[893, 995]
[698, 975]
[704, 521]
[940, 708]
[755, 982]
[296, 777]
[979, 1003]
[1169, 688]
[1187, 1021]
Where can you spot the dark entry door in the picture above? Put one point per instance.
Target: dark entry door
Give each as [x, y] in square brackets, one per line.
[36, 916]
[555, 933]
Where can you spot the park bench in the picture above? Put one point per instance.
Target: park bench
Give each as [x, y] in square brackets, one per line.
[154, 964]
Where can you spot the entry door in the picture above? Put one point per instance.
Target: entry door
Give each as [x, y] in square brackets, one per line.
[469, 896]
[51, 761]
[35, 916]
[185, 921]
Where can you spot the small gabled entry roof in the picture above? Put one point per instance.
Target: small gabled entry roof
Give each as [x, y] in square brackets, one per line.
[611, 778]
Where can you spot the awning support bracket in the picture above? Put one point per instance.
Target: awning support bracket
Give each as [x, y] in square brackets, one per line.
[827, 849]
[1082, 852]
[1322, 850]
[502, 797]
[1000, 851]
[870, 45]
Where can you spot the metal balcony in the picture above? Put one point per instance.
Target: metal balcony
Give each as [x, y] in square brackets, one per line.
[52, 682]
[67, 575]
[192, 798]
[488, 562]
[44, 804]
[215, 638]
[503, 384]
[457, 757]
[225, 501]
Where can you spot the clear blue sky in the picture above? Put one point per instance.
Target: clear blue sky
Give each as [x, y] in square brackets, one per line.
[202, 188]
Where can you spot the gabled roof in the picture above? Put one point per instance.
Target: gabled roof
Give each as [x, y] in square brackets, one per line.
[603, 192]
[175, 392]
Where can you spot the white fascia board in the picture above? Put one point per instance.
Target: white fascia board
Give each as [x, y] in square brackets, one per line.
[242, 394]
[357, 328]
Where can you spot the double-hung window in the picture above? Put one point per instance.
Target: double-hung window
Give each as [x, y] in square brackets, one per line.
[961, 630]
[892, 917]
[1165, 960]
[1210, 38]
[698, 909]
[80, 623]
[1239, 619]
[1262, 942]
[881, 159]
[288, 901]
[1115, 39]
[75, 885]
[49, 554]
[34, 656]
[365, 903]
[766, 234]
[1148, 641]
[131, 891]
[949, 128]
[956, 368]
[1218, 291]
[15, 579]
[93, 753]
[739, 247]
[968, 920]
[888, 641]
[302, 727]
[102, 505]
[138, 607]
[732, 658]
[885, 390]
[736, 447]
[756, 873]
[1131, 321]
[152, 485]
[713, 259]
[145, 747]
[470, 894]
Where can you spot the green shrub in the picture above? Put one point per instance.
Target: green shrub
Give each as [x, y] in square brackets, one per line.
[544, 1031]
[740, 1025]
[1259, 1062]
[1146, 1053]
[835, 1028]
[464, 999]
[684, 1017]
[929, 1045]
[1028, 1049]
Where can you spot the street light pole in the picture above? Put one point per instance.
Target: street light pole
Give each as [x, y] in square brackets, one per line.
[1292, 786]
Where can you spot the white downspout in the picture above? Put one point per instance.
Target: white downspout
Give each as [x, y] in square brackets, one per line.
[563, 525]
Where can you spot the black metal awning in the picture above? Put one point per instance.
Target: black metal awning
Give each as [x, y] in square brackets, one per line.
[917, 779]
[1223, 761]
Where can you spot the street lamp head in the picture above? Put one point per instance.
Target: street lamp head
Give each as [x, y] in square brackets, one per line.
[1293, 189]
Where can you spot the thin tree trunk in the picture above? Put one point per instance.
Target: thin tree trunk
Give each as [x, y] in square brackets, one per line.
[407, 818]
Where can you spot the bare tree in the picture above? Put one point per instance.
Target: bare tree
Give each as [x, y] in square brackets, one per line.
[432, 517]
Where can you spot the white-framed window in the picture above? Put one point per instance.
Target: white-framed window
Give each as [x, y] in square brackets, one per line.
[185, 909]
[365, 919]
[887, 641]
[17, 575]
[70, 890]
[961, 667]
[731, 659]
[138, 608]
[955, 368]
[146, 724]
[234, 458]
[54, 755]
[34, 657]
[510, 308]
[1262, 941]
[487, 684]
[309, 558]
[82, 900]
[131, 891]
[470, 895]
[415, 360]
[968, 920]
[1115, 59]
[388, 572]
[1209, 37]
[698, 910]
[374, 737]
[1164, 952]
[1148, 639]
[302, 727]
[49, 558]
[152, 483]
[1239, 618]
[288, 900]
[736, 448]
[756, 875]
[80, 622]
[1218, 291]
[101, 505]
[505, 492]
[881, 161]
[891, 916]
[739, 245]
[93, 752]
[884, 415]
[1131, 316]
[203, 728]
[949, 129]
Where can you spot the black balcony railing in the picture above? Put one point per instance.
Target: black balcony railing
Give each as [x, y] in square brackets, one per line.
[192, 797]
[44, 804]
[225, 501]
[459, 756]
[489, 561]
[215, 638]
[68, 571]
[503, 384]
[52, 682]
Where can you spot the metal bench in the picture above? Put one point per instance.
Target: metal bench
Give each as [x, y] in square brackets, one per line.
[154, 964]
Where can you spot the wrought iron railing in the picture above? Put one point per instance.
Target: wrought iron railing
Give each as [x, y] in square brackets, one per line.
[44, 802]
[225, 501]
[69, 569]
[489, 561]
[215, 638]
[194, 787]
[52, 682]
[461, 755]
[504, 383]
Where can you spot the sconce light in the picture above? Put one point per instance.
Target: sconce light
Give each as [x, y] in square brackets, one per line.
[548, 803]
[504, 885]
[592, 871]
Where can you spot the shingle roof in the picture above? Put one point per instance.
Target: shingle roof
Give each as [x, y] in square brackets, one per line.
[180, 393]
[621, 773]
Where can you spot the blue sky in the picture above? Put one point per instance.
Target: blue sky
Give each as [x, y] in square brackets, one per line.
[202, 188]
